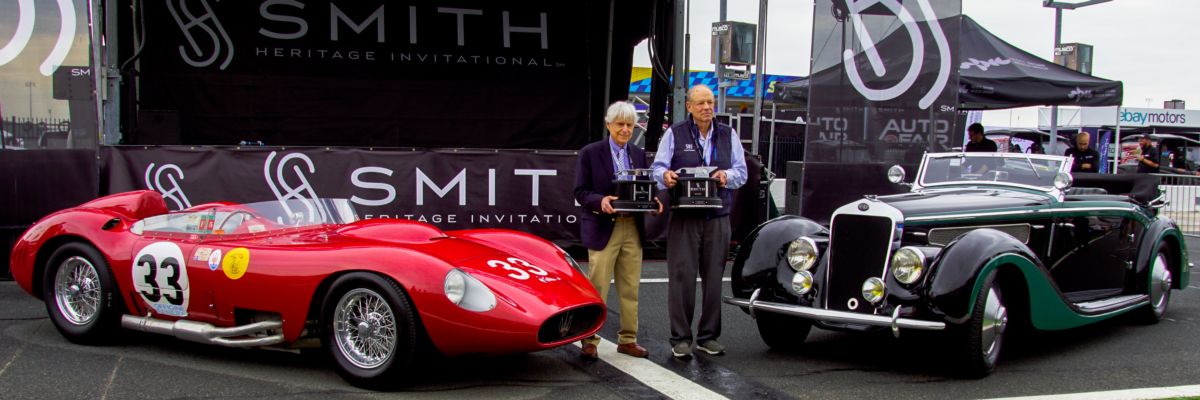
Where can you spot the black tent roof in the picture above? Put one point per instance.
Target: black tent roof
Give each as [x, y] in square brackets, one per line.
[994, 74]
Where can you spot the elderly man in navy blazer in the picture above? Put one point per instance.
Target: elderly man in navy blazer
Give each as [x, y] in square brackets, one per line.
[613, 239]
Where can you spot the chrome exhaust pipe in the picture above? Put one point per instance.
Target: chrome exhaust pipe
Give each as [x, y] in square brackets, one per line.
[202, 332]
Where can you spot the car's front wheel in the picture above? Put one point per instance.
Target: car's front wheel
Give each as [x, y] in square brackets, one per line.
[982, 336]
[781, 332]
[81, 294]
[369, 330]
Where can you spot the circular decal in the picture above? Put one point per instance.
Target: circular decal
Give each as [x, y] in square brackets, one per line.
[214, 260]
[160, 277]
[235, 262]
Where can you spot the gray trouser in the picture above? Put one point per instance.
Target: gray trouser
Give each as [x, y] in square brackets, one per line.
[695, 245]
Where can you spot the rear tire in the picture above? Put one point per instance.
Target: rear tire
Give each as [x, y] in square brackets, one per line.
[781, 332]
[369, 330]
[1159, 290]
[81, 295]
[980, 339]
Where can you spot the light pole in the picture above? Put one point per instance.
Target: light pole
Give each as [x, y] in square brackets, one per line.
[30, 85]
[1058, 7]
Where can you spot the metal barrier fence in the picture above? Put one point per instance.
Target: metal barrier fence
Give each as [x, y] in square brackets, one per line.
[1183, 193]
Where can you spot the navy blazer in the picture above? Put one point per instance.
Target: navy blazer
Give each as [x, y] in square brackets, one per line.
[593, 180]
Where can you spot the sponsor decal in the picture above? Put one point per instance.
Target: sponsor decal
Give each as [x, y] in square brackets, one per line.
[160, 278]
[202, 254]
[236, 262]
[983, 65]
[1078, 94]
[909, 23]
[214, 260]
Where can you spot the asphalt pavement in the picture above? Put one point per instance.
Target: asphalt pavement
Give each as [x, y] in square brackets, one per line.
[36, 362]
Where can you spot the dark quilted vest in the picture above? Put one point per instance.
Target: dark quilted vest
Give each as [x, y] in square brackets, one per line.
[686, 136]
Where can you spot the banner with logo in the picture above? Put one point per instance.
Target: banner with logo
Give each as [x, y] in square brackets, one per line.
[452, 189]
[884, 90]
[475, 73]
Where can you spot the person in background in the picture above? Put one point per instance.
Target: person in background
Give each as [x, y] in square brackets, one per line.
[977, 142]
[613, 239]
[1087, 159]
[698, 240]
[1148, 160]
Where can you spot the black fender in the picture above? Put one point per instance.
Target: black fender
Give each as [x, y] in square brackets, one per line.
[763, 253]
[953, 274]
[1163, 230]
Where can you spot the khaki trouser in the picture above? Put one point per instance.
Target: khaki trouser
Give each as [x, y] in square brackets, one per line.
[621, 259]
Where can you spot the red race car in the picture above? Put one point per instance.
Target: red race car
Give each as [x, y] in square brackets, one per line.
[303, 274]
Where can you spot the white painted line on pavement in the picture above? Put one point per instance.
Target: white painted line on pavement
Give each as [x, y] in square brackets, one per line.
[665, 280]
[1130, 394]
[653, 375]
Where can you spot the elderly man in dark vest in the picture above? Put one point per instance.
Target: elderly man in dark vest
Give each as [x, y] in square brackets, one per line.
[698, 240]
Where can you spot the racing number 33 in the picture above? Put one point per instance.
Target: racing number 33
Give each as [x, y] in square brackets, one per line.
[161, 278]
[151, 266]
[517, 272]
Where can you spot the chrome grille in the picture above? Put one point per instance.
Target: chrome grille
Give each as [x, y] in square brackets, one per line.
[858, 249]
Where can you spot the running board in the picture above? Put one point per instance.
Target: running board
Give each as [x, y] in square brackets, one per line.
[1112, 303]
[236, 336]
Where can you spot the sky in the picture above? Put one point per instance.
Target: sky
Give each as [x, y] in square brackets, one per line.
[1147, 44]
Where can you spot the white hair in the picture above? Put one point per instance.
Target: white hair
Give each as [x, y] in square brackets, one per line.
[620, 111]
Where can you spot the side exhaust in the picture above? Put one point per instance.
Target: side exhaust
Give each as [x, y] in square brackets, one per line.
[237, 336]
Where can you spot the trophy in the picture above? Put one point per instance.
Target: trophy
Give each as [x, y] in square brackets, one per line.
[696, 189]
[635, 191]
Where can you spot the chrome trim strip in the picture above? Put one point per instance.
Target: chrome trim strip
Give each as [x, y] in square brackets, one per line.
[1018, 212]
[1113, 302]
[837, 316]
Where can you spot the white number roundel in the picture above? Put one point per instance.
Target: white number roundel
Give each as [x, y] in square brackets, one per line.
[160, 277]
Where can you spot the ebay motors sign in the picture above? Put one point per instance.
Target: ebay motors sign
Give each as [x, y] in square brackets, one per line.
[1158, 117]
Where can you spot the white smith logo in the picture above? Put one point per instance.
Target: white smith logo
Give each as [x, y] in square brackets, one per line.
[314, 210]
[918, 52]
[205, 22]
[170, 190]
[26, 16]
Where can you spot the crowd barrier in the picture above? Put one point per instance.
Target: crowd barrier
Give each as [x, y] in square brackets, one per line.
[1183, 194]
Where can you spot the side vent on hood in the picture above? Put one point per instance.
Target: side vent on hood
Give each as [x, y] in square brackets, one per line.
[943, 236]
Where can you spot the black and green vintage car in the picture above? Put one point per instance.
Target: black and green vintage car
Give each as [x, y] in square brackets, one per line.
[983, 241]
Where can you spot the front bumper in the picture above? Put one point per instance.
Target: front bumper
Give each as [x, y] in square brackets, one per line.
[753, 305]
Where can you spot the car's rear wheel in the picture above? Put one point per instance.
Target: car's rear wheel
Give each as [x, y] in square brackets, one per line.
[81, 294]
[980, 339]
[1159, 290]
[782, 332]
[369, 330]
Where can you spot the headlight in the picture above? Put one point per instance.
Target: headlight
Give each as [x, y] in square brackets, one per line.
[467, 292]
[802, 282]
[570, 260]
[802, 254]
[872, 290]
[907, 265]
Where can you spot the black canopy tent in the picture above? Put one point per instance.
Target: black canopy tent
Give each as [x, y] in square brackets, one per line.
[994, 74]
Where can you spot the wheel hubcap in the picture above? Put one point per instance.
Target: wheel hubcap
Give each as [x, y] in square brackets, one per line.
[364, 328]
[1160, 284]
[995, 320]
[77, 290]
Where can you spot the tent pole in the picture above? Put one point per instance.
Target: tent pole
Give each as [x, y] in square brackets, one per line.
[1117, 143]
[612, 4]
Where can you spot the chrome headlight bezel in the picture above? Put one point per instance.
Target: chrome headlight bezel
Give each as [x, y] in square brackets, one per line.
[908, 265]
[874, 290]
[802, 254]
[469, 293]
[802, 282]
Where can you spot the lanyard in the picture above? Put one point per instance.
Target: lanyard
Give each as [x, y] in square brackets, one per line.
[712, 148]
[618, 166]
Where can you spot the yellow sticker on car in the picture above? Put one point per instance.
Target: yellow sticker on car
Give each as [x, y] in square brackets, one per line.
[235, 263]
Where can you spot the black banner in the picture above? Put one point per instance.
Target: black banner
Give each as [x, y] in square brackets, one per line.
[473, 73]
[883, 91]
[452, 189]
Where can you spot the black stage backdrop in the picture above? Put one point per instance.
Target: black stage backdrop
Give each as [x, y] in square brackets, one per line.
[452, 189]
[884, 92]
[398, 73]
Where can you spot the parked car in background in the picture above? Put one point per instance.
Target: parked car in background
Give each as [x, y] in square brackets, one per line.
[1180, 153]
[969, 254]
[303, 274]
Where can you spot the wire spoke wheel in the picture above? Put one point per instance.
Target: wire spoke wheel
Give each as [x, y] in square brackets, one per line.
[365, 328]
[77, 290]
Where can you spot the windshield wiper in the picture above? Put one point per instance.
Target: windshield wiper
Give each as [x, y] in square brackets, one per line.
[1035, 172]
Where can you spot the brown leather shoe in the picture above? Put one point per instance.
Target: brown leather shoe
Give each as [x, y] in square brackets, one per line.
[589, 352]
[633, 350]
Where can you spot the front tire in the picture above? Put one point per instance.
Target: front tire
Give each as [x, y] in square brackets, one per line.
[781, 332]
[981, 337]
[1159, 290]
[369, 330]
[81, 295]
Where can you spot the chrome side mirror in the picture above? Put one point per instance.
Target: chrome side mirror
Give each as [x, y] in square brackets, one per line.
[1063, 180]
